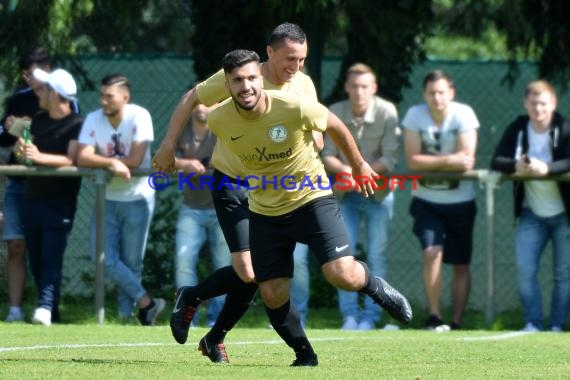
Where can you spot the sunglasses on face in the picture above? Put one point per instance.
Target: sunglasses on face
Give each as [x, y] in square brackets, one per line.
[116, 137]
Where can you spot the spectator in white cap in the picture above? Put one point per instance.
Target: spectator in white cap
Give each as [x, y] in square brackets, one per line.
[50, 201]
[60, 81]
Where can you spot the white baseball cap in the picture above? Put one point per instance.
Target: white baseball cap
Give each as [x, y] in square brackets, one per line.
[60, 80]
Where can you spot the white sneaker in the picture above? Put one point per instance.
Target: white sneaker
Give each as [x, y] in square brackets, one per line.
[15, 316]
[350, 323]
[391, 327]
[42, 316]
[434, 323]
[366, 325]
[529, 327]
[442, 328]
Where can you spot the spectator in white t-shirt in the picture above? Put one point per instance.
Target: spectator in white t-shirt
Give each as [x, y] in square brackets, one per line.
[538, 144]
[441, 135]
[118, 137]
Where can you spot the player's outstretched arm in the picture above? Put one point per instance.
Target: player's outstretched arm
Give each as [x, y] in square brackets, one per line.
[361, 170]
[163, 160]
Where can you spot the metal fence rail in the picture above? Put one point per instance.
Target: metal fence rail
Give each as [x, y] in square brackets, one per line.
[489, 180]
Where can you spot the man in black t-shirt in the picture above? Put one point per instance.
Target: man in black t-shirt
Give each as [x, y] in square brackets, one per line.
[50, 202]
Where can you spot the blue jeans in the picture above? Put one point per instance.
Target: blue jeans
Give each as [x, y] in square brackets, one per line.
[300, 286]
[13, 204]
[193, 228]
[532, 235]
[47, 225]
[376, 217]
[126, 231]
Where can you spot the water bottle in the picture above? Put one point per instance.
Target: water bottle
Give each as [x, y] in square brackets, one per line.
[27, 136]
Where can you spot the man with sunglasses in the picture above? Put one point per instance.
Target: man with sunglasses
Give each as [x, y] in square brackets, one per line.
[117, 137]
[441, 135]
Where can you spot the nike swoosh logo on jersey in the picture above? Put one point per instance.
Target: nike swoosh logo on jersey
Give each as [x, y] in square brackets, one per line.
[340, 249]
[235, 138]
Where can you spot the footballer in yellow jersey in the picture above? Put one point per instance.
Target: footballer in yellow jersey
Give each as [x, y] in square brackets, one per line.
[268, 131]
[286, 50]
[283, 170]
[213, 90]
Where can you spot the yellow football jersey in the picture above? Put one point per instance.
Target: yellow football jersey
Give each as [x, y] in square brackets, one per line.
[283, 169]
[213, 90]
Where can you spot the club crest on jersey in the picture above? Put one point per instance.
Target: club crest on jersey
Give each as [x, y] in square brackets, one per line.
[278, 133]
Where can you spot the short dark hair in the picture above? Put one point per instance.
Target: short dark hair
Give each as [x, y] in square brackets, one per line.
[437, 75]
[37, 55]
[116, 80]
[286, 31]
[238, 58]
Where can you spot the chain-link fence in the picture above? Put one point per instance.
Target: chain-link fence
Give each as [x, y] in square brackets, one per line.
[478, 84]
[158, 82]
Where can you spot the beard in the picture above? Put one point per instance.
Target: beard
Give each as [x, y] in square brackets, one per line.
[247, 106]
[111, 112]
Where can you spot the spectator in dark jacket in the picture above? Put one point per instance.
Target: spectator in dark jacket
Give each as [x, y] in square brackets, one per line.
[19, 107]
[538, 144]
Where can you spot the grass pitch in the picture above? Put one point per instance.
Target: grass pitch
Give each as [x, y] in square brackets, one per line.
[134, 352]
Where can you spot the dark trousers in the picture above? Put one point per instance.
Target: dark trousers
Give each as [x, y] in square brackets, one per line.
[47, 225]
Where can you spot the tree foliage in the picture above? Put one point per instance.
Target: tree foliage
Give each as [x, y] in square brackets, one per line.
[533, 29]
[539, 28]
[466, 30]
[72, 27]
[388, 35]
[22, 26]
[250, 25]
[215, 34]
[389, 38]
